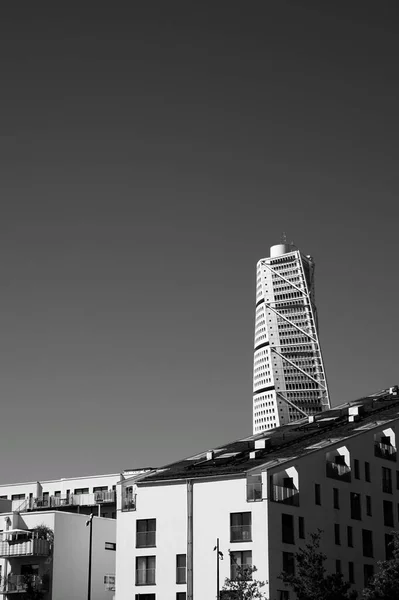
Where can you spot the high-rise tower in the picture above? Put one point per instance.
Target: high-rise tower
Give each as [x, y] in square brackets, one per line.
[289, 381]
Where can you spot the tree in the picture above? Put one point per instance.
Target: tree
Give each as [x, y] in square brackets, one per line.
[311, 581]
[243, 587]
[385, 584]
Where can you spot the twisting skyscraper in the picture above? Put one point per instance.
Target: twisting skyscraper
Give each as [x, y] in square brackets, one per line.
[289, 381]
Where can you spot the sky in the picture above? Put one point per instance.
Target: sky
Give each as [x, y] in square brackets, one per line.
[151, 153]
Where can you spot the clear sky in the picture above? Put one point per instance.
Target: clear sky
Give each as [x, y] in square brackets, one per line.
[151, 152]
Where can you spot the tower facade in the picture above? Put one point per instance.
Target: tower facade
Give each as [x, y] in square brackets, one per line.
[289, 380]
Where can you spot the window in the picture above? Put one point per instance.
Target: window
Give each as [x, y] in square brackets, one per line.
[349, 535]
[351, 572]
[254, 488]
[144, 596]
[388, 513]
[109, 582]
[145, 570]
[367, 538]
[337, 534]
[368, 506]
[287, 526]
[283, 595]
[338, 566]
[100, 488]
[336, 497]
[368, 572]
[128, 498]
[180, 595]
[180, 568]
[79, 491]
[397, 480]
[388, 546]
[240, 527]
[317, 493]
[356, 466]
[386, 480]
[356, 509]
[239, 559]
[145, 533]
[289, 563]
[17, 497]
[367, 471]
[110, 546]
[3, 497]
[301, 528]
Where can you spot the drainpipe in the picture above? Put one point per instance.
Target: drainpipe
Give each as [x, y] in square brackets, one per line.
[190, 595]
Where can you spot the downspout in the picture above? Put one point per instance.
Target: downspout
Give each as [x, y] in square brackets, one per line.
[190, 595]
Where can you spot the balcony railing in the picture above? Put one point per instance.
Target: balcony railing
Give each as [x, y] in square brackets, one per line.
[24, 547]
[48, 502]
[385, 451]
[19, 583]
[240, 533]
[145, 539]
[129, 503]
[285, 495]
[338, 471]
[145, 576]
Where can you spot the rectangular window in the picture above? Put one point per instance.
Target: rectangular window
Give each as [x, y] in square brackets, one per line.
[351, 572]
[349, 535]
[336, 497]
[356, 466]
[144, 596]
[338, 566]
[356, 508]
[287, 525]
[289, 563]
[397, 480]
[80, 491]
[110, 546]
[18, 497]
[283, 595]
[3, 497]
[386, 480]
[145, 533]
[317, 493]
[301, 528]
[367, 539]
[100, 488]
[109, 582]
[337, 534]
[367, 471]
[180, 595]
[388, 546]
[368, 506]
[240, 527]
[368, 572]
[239, 560]
[388, 513]
[145, 570]
[180, 568]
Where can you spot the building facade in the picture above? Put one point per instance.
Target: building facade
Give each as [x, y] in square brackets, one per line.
[48, 551]
[289, 380]
[260, 498]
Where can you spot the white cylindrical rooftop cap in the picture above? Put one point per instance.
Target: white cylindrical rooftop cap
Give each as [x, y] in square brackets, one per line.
[280, 249]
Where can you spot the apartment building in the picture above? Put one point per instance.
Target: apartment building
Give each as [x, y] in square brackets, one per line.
[94, 494]
[289, 380]
[261, 496]
[57, 564]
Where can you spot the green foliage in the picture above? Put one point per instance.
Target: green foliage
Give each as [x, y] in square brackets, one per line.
[243, 587]
[385, 583]
[311, 581]
[44, 533]
[32, 589]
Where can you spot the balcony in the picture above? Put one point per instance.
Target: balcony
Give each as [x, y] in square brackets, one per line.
[386, 451]
[49, 502]
[21, 547]
[18, 584]
[338, 471]
[285, 495]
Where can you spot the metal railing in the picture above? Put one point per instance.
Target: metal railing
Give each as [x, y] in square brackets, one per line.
[338, 471]
[129, 503]
[285, 495]
[145, 539]
[46, 502]
[24, 547]
[145, 576]
[240, 533]
[384, 451]
[19, 583]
